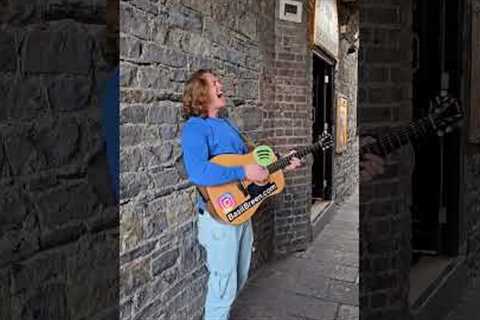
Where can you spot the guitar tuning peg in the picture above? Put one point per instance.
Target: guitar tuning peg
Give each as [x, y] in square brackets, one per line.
[448, 129]
[440, 133]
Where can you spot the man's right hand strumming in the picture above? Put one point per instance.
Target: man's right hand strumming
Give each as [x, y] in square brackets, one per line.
[255, 173]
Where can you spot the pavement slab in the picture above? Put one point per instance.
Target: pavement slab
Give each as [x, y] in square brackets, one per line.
[320, 283]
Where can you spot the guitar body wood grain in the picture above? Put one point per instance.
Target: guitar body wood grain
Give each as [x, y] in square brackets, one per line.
[235, 203]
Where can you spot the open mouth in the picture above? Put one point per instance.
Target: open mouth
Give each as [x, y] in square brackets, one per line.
[220, 94]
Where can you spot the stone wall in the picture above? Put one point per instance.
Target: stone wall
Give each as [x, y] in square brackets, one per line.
[162, 265]
[385, 80]
[471, 185]
[472, 213]
[346, 163]
[58, 241]
[266, 67]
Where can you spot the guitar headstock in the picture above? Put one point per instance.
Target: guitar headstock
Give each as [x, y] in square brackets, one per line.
[325, 141]
[446, 113]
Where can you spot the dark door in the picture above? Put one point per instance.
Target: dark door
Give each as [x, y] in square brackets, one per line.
[436, 176]
[322, 170]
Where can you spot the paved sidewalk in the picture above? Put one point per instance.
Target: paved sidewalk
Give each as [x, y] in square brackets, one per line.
[467, 307]
[318, 284]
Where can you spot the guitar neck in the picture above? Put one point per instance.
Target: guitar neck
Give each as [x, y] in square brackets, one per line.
[413, 132]
[284, 162]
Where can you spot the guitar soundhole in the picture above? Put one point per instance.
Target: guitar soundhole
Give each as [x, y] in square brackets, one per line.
[255, 190]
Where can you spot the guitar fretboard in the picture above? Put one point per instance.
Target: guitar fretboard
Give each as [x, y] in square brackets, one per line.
[284, 162]
[414, 131]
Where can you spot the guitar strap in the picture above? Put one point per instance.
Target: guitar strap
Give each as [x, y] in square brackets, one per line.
[246, 139]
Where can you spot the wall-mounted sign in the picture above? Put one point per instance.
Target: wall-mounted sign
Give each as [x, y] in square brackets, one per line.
[291, 10]
[342, 124]
[325, 25]
[474, 130]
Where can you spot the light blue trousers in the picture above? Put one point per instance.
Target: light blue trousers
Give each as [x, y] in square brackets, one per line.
[229, 250]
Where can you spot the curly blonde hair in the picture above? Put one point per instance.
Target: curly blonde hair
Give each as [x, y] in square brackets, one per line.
[195, 95]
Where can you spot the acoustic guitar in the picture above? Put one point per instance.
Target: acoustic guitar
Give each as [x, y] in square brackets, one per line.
[444, 114]
[234, 203]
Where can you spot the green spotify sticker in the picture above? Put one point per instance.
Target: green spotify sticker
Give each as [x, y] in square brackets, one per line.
[263, 155]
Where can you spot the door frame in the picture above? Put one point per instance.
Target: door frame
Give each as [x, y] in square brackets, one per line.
[331, 62]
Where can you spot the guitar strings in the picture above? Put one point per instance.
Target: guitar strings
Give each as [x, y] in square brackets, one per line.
[411, 129]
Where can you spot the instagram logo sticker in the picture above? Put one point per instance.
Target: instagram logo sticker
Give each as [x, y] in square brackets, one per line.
[226, 202]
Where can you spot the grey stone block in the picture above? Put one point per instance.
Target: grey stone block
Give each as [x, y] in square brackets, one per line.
[62, 235]
[152, 311]
[131, 227]
[168, 132]
[134, 159]
[130, 48]
[148, 294]
[135, 22]
[136, 134]
[19, 12]
[8, 52]
[67, 93]
[148, 6]
[191, 257]
[248, 117]
[134, 113]
[36, 272]
[247, 89]
[153, 78]
[47, 302]
[21, 153]
[4, 168]
[165, 261]
[84, 11]
[24, 100]
[92, 275]
[5, 295]
[126, 310]
[153, 53]
[347, 312]
[164, 112]
[14, 208]
[137, 276]
[247, 24]
[138, 252]
[185, 18]
[75, 203]
[67, 48]
[20, 242]
[128, 75]
[216, 32]
[155, 223]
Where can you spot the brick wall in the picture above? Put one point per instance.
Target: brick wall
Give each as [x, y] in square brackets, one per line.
[346, 163]
[385, 101]
[472, 214]
[289, 125]
[57, 229]
[471, 184]
[266, 67]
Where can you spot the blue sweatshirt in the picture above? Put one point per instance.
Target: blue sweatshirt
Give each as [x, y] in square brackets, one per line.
[110, 125]
[203, 139]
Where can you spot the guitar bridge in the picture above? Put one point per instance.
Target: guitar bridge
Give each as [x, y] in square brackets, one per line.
[242, 189]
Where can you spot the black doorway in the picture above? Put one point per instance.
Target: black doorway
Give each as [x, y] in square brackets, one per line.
[322, 169]
[435, 184]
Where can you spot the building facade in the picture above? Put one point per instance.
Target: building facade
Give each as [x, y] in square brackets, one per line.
[271, 72]
[419, 222]
[58, 223]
